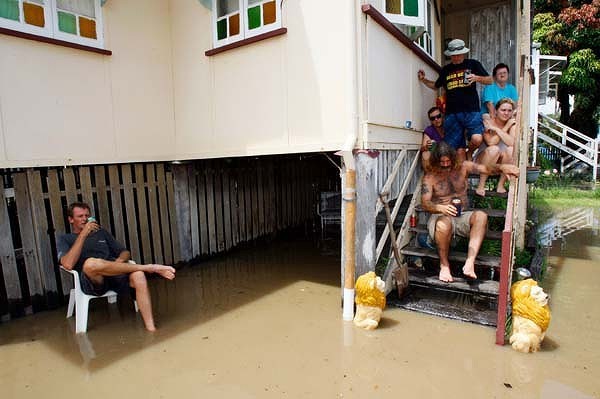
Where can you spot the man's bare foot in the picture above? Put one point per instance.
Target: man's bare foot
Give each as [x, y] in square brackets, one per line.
[445, 274]
[501, 189]
[167, 272]
[480, 191]
[469, 271]
[151, 328]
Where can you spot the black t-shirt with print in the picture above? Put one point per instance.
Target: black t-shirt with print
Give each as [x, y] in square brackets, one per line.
[100, 244]
[460, 97]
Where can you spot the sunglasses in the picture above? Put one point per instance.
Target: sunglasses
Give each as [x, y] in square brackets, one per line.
[434, 117]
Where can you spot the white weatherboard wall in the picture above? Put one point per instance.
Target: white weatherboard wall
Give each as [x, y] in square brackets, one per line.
[291, 93]
[159, 97]
[395, 93]
[61, 106]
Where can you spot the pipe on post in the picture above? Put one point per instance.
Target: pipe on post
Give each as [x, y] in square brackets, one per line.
[349, 196]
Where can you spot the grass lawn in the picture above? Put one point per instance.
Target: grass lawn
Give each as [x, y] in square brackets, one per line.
[564, 197]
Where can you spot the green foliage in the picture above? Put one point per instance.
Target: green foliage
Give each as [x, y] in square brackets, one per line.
[491, 247]
[522, 258]
[550, 32]
[573, 29]
[582, 73]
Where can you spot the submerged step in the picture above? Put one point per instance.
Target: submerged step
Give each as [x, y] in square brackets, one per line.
[448, 305]
[481, 260]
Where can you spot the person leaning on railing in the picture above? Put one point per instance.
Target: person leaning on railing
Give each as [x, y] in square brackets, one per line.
[462, 100]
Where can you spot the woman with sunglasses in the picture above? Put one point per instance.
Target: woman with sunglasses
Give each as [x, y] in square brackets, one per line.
[433, 134]
[498, 141]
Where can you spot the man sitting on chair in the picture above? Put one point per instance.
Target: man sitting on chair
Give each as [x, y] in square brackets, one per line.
[102, 262]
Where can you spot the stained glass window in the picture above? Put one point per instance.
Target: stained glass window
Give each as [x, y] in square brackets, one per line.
[70, 20]
[406, 12]
[259, 16]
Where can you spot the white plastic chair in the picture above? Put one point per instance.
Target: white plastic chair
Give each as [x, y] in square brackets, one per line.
[79, 301]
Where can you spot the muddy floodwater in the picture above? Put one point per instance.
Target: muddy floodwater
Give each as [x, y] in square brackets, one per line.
[265, 322]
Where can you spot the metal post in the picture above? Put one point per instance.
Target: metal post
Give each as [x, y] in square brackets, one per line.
[534, 98]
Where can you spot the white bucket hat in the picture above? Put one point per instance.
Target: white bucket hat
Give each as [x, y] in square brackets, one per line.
[456, 47]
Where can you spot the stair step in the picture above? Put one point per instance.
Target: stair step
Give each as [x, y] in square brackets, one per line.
[484, 287]
[420, 300]
[481, 260]
[489, 193]
[493, 213]
[492, 235]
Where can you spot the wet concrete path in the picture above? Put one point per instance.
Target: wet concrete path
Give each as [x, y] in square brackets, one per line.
[266, 322]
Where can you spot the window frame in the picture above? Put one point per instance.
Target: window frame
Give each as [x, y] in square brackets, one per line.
[245, 32]
[51, 29]
[406, 20]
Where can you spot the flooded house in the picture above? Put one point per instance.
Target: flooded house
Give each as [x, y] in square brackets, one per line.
[193, 126]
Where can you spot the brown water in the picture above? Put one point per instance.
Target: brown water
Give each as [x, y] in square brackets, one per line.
[266, 323]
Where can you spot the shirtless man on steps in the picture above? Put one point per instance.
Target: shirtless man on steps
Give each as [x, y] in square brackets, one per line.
[445, 180]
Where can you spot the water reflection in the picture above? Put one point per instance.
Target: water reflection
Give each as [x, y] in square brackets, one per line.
[569, 221]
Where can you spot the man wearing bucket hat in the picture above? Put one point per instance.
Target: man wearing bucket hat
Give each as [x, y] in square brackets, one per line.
[462, 100]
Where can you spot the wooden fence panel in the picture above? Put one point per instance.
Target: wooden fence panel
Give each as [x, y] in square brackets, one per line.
[42, 239]
[181, 209]
[154, 215]
[175, 236]
[201, 183]
[34, 280]
[255, 204]
[241, 186]
[227, 210]
[193, 198]
[85, 182]
[219, 212]
[260, 192]
[134, 242]
[210, 210]
[102, 213]
[57, 213]
[116, 197]
[70, 185]
[8, 259]
[233, 195]
[166, 226]
[142, 215]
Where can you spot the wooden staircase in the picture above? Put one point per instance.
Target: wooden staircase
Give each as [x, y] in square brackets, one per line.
[463, 299]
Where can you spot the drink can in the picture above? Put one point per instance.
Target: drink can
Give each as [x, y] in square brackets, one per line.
[466, 76]
[457, 203]
[413, 220]
[91, 219]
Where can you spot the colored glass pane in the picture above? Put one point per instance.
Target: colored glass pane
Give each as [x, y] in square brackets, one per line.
[34, 14]
[411, 8]
[269, 14]
[9, 9]
[254, 17]
[67, 22]
[392, 6]
[87, 28]
[225, 7]
[79, 7]
[234, 25]
[222, 29]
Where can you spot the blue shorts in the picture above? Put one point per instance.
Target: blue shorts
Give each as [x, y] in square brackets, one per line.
[456, 125]
[119, 284]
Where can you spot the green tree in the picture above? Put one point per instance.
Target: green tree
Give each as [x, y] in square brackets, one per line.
[572, 28]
